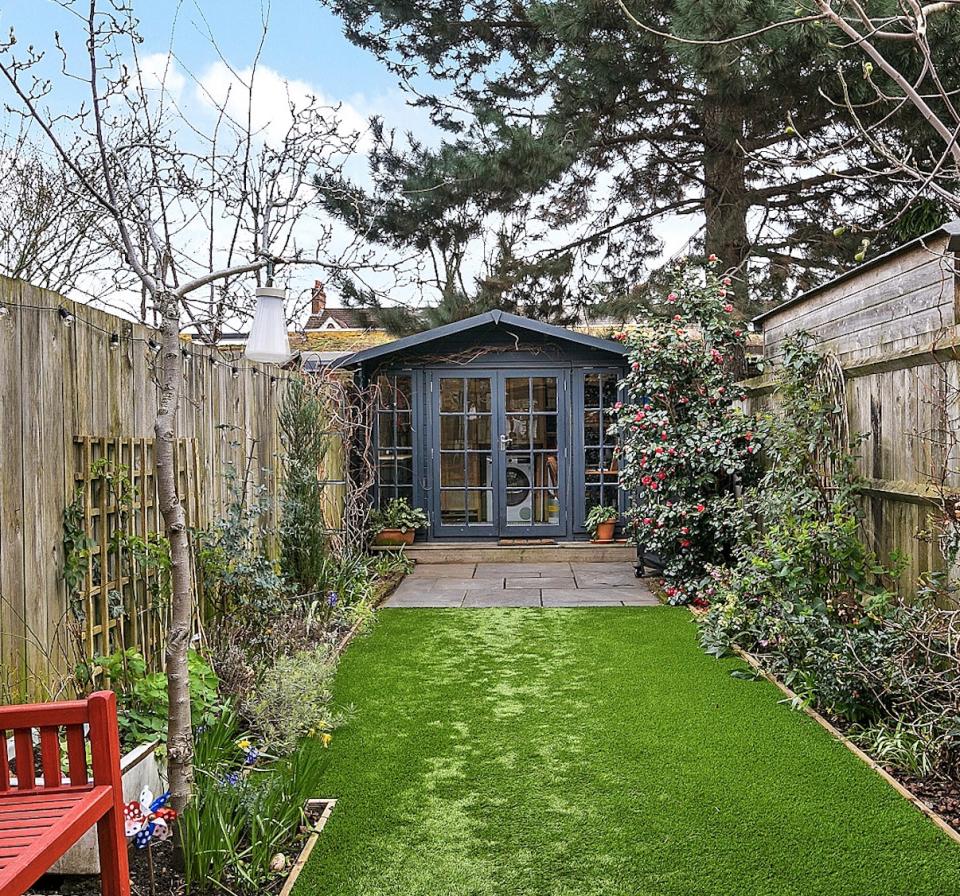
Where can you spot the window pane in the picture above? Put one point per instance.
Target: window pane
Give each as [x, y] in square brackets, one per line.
[609, 389]
[592, 498]
[592, 458]
[452, 508]
[451, 433]
[518, 431]
[451, 394]
[518, 393]
[403, 400]
[388, 472]
[479, 507]
[478, 470]
[591, 428]
[545, 470]
[546, 508]
[478, 395]
[591, 390]
[385, 397]
[544, 393]
[404, 430]
[545, 431]
[478, 433]
[519, 480]
[405, 491]
[451, 469]
[385, 434]
[405, 471]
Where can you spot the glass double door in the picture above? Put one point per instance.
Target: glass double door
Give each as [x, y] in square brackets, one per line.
[499, 448]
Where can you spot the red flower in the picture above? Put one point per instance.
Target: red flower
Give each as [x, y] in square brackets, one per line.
[663, 436]
[661, 475]
[635, 366]
[672, 297]
[728, 308]
[748, 435]
[700, 508]
[640, 415]
[646, 480]
[684, 542]
[647, 521]
[711, 257]
[727, 281]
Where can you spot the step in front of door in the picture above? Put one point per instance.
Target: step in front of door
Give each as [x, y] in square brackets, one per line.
[491, 552]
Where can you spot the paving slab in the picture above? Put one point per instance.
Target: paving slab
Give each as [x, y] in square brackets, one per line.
[446, 570]
[413, 587]
[574, 602]
[523, 569]
[512, 582]
[514, 598]
[613, 579]
[423, 600]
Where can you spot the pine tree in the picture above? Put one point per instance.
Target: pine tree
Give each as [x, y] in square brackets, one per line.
[566, 107]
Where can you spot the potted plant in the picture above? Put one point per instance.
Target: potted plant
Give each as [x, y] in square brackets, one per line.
[601, 521]
[397, 522]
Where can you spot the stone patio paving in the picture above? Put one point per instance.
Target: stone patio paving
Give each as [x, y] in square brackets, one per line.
[522, 585]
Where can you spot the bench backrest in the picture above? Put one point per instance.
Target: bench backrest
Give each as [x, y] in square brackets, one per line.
[54, 721]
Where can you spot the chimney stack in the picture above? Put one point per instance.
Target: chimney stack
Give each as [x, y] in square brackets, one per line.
[318, 299]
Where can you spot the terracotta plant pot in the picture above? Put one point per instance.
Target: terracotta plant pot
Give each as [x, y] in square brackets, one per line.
[395, 537]
[605, 530]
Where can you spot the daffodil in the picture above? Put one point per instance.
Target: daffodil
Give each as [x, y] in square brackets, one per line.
[325, 738]
[243, 744]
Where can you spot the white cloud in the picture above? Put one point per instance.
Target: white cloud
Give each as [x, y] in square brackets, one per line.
[159, 71]
[270, 100]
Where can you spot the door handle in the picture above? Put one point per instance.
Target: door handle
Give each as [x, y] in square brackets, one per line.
[504, 441]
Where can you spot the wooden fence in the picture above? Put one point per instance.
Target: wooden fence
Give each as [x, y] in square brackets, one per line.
[77, 385]
[893, 326]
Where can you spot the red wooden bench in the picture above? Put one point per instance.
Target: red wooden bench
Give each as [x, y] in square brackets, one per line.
[40, 821]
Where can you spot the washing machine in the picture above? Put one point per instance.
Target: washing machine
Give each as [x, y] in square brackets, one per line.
[519, 490]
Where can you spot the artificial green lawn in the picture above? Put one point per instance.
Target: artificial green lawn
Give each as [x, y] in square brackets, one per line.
[561, 752]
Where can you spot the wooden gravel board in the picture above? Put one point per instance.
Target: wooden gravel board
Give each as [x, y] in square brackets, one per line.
[301, 861]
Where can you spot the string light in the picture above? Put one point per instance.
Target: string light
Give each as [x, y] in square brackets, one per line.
[68, 318]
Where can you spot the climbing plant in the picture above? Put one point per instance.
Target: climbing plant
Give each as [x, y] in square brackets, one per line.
[686, 447]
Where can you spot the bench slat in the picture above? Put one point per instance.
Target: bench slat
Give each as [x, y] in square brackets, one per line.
[23, 748]
[50, 756]
[4, 768]
[76, 755]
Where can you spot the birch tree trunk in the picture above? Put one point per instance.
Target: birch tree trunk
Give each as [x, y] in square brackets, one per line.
[179, 729]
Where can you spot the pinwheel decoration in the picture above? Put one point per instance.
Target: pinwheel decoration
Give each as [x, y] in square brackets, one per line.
[148, 819]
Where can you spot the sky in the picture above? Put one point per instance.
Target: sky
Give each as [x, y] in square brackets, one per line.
[305, 45]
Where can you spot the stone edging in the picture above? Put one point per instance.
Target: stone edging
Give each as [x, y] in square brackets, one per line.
[908, 795]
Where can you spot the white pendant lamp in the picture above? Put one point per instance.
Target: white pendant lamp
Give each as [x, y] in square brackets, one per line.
[268, 339]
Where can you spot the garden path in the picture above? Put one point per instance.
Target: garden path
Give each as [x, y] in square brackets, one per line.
[442, 585]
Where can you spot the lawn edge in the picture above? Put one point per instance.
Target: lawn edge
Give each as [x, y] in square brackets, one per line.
[907, 794]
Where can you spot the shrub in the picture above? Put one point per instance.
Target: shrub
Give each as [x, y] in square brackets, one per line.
[398, 514]
[292, 700]
[685, 446]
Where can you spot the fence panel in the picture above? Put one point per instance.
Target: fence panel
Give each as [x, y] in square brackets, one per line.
[73, 390]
